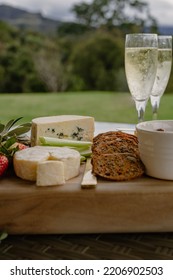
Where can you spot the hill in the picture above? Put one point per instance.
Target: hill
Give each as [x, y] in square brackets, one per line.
[26, 20]
[166, 30]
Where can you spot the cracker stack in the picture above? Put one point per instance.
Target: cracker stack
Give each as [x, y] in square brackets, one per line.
[115, 156]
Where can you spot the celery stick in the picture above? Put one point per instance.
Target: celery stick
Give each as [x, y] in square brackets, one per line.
[85, 153]
[83, 147]
[82, 159]
[51, 141]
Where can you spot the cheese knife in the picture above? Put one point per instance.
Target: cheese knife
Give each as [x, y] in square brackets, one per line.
[89, 180]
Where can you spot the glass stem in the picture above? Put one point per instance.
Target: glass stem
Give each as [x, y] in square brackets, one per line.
[155, 109]
[140, 115]
[155, 102]
[140, 107]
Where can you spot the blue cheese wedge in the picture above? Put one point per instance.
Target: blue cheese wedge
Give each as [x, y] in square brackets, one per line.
[26, 164]
[63, 127]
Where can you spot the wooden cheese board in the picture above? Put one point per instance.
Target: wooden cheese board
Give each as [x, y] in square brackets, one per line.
[140, 205]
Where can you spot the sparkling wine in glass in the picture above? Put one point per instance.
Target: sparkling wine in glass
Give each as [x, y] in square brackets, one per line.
[163, 72]
[141, 52]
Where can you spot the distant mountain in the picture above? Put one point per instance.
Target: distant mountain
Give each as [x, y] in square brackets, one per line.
[166, 30]
[26, 20]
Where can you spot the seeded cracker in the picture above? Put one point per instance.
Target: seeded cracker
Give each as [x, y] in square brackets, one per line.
[115, 156]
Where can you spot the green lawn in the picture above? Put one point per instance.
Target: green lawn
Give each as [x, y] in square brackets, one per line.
[103, 106]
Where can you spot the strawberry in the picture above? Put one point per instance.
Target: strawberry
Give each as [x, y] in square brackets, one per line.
[3, 164]
[17, 146]
[21, 146]
[12, 139]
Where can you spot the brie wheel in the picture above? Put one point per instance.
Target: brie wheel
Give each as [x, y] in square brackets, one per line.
[26, 162]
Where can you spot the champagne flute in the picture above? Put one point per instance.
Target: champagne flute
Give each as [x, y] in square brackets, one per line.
[141, 52]
[163, 72]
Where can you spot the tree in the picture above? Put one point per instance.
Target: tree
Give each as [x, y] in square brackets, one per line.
[113, 13]
[17, 71]
[71, 28]
[50, 69]
[95, 62]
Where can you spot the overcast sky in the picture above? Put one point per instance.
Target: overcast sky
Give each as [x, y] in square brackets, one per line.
[162, 10]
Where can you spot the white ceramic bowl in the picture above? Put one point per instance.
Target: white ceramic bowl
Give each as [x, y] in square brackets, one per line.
[156, 147]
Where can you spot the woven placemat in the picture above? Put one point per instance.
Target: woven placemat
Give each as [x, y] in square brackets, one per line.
[136, 246]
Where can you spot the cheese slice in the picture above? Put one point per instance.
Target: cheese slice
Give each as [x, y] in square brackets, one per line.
[70, 161]
[63, 126]
[50, 173]
[26, 161]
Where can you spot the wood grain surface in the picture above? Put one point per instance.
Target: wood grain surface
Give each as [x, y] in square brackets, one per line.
[141, 205]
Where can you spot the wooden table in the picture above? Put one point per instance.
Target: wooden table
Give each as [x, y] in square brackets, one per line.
[111, 222]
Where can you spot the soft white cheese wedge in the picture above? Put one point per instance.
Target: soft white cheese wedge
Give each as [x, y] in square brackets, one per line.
[26, 161]
[63, 126]
[50, 173]
[70, 160]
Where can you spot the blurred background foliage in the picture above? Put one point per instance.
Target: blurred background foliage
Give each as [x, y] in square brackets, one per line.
[87, 54]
